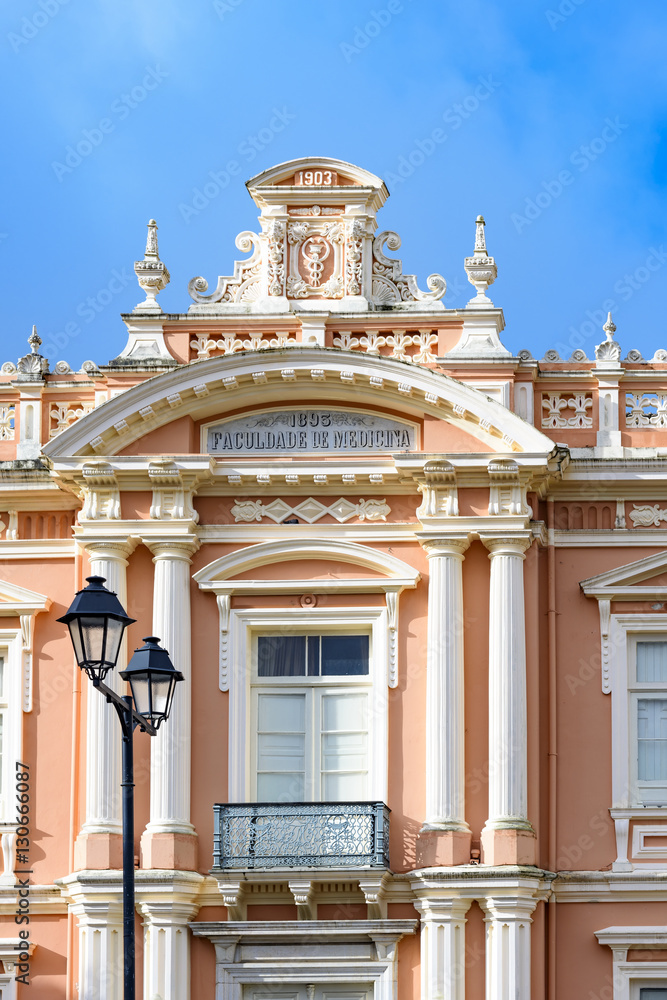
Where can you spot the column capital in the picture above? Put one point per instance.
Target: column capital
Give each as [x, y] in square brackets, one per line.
[516, 907]
[443, 544]
[442, 909]
[504, 543]
[110, 547]
[175, 546]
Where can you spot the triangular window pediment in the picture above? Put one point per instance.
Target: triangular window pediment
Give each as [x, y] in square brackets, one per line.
[639, 580]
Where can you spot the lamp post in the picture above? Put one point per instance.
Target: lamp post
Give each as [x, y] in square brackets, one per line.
[97, 620]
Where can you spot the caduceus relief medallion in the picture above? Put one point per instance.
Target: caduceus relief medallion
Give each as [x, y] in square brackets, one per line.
[315, 251]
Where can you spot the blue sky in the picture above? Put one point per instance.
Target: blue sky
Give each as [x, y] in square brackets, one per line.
[553, 115]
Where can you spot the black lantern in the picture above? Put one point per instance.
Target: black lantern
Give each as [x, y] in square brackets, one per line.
[96, 621]
[152, 679]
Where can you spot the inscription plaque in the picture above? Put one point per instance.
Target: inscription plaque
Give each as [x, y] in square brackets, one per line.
[293, 432]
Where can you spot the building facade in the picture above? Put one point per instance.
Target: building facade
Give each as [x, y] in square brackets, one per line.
[417, 587]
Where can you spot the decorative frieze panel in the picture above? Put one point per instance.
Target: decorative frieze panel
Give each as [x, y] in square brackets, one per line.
[415, 347]
[556, 407]
[647, 516]
[646, 409]
[311, 510]
[7, 422]
[204, 346]
[62, 415]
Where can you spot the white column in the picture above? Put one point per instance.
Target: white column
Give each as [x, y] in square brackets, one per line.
[508, 755]
[167, 949]
[508, 920]
[103, 792]
[445, 723]
[170, 749]
[100, 949]
[443, 948]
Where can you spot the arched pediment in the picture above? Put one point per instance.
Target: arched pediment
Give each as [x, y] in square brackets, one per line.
[211, 388]
[340, 174]
[394, 574]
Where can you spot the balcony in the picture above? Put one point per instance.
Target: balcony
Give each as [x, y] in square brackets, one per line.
[310, 835]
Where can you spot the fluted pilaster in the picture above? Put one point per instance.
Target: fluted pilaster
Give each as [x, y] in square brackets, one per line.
[508, 920]
[167, 949]
[507, 837]
[100, 949]
[445, 723]
[170, 749]
[95, 849]
[443, 948]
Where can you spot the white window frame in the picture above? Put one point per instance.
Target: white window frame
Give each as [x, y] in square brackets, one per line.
[11, 647]
[629, 977]
[341, 684]
[244, 625]
[624, 630]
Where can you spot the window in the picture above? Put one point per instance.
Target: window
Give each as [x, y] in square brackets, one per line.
[310, 714]
[648, 707]
[308, 704]
[653, 993]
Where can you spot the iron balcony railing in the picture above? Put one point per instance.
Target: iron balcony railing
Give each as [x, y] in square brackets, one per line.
[301, 835]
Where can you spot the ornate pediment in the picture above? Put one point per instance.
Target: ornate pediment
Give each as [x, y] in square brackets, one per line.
[317, 244]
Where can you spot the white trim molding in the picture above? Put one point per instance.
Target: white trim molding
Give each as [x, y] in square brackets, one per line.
[319, 951]
[624, 584]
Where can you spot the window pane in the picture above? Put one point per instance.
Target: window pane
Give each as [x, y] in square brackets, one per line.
[281, 741]
[281, 655]
[651, 662]
[344, 752]
[344, 788]
[344, 655]
[280, 788]
[2, 750]
[653, 993]
[343, 711]
[281, 713]
[344, 747]
[652, 739]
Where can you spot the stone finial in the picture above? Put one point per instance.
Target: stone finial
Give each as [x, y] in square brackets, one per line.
[151, 273]
[608, 350]
[480, 268]
[32, 367]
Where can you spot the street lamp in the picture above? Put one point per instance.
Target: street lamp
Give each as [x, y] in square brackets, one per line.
[96, 620]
